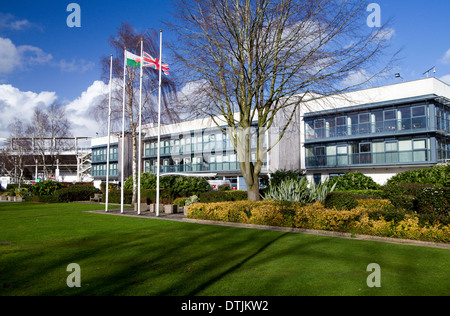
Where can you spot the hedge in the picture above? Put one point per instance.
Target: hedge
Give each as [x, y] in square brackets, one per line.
[75, 193]
[364, 219]
[223, 196]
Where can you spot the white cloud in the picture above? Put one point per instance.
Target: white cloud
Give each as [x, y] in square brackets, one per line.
[386, 34]
[9, 22]
[446, 58]
[15, 103]
[356, 78]
[80, 66]
[79, 111]
[19, 104]
[13, 57]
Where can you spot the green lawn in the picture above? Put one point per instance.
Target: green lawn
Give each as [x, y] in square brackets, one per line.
[135, 256]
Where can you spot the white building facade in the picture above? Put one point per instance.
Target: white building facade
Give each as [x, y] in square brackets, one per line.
[379, 132]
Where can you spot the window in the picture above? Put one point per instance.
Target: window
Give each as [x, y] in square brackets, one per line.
[378, 120]
[365, 155]
[331, 155]
[342, 155]
[389, 121]
[391, 151]
[341, 126]
[364, 123]
[419, 119]
[420, 153]
[378, 152]
[404, 118]
[405, 150]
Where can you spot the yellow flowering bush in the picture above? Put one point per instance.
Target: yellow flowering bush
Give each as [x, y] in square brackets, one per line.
[360, 220]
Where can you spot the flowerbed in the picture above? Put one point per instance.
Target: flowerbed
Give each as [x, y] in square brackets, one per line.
[370, 217]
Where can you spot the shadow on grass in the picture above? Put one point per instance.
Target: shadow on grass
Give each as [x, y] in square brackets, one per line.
[168, 258]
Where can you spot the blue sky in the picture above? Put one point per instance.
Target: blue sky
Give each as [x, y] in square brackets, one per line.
[55, 62]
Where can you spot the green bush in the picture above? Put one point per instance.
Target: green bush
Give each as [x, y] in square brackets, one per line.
[340, 201]
[180, 201]
[403, 195]
[354, 181]
[223, 196]
[75, 193]
[191, 200]
[438, 175]
[166, 196]
[433, 200]
[282, 175]
[291, 190]
[181, 186]
[224, 187]
[47, 187]
[114, 196]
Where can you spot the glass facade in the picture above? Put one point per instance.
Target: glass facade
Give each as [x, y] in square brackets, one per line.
[198, 151]
[398, 119]
[369, 152]
[414, 133]
[99, 158]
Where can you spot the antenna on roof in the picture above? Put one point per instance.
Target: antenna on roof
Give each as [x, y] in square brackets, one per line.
[428, 71]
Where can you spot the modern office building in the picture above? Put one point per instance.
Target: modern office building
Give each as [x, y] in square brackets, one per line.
[379, 131]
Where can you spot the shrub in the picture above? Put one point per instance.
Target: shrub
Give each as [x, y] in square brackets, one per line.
[181, 186]
[180, 201]
[340, 201]
[282, 175]
[354, 181]
[223, 196]
[47, 187]
[433, 200]
[362, 220]
[438, 175]
[191, 200]
[403, 195]
[75, 193]
[224, 187]
[114, 196]
[165, 196]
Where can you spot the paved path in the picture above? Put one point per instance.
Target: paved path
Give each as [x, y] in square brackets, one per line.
[182, 218]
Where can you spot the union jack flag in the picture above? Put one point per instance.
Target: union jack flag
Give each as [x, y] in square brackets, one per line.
[149, 61]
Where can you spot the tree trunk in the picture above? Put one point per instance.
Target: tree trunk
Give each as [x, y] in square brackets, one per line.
[253, 192]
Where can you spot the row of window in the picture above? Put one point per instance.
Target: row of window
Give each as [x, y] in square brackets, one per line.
[191, 144]
[100, 170]
[99, 154]
[375, 152]
[200, 163]
[375, 121]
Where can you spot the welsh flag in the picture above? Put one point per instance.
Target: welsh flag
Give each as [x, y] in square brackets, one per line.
[149, 61]
[132, 59]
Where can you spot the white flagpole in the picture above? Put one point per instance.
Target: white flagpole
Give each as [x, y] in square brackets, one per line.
[159, 124]
[140, 133]
[109, 130]
[123, 132]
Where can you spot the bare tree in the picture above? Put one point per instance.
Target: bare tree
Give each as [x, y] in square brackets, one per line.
[127, 37]
[252, 60]
[16, 153]
[47, 127]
